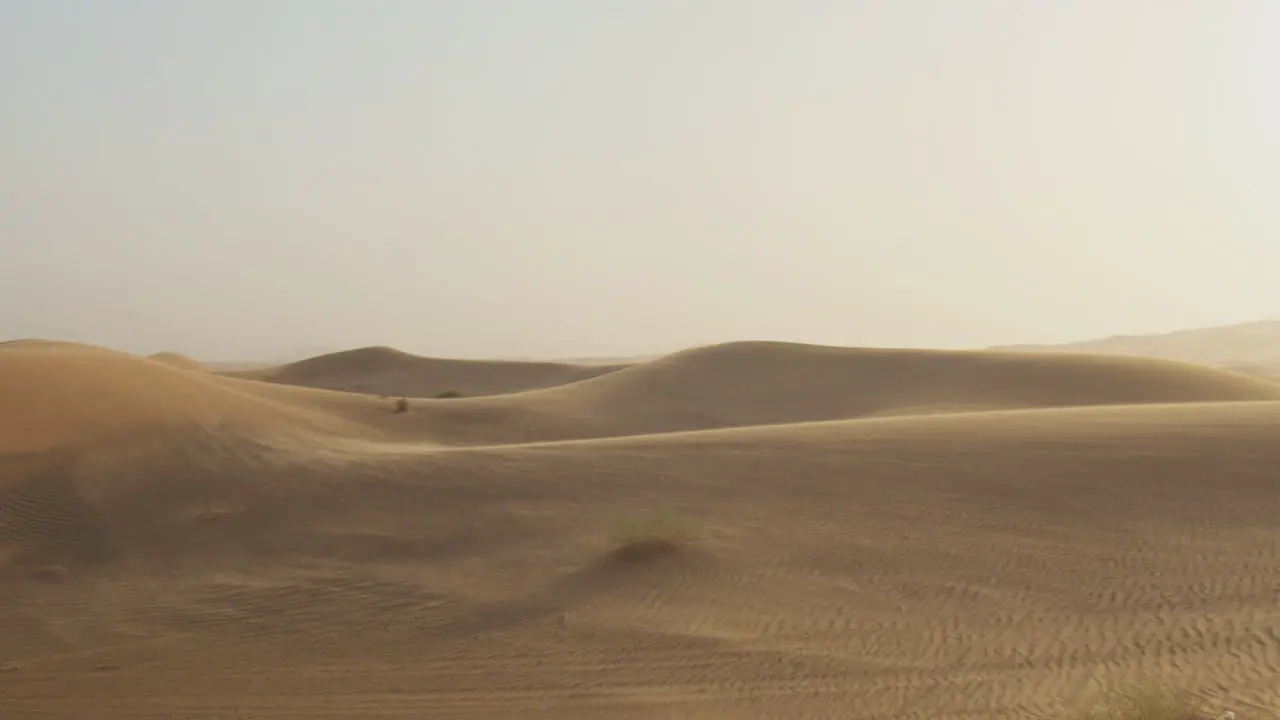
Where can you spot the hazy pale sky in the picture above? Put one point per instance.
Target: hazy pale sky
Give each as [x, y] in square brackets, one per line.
[240, 179]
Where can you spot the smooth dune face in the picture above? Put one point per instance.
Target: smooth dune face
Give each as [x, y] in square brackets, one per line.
[874, 533]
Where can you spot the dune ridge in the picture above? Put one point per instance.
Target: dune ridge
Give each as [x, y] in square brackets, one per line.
[745, 384]
[387, 371]
[880, 533]
[1250, 344]
[771, 382]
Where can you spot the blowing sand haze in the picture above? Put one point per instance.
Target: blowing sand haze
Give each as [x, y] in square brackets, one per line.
[861, 534]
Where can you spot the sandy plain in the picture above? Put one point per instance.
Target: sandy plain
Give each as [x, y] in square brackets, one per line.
[871, 533]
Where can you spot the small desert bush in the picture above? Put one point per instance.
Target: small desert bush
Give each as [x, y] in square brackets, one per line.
[1149, 703]
[402, 405]
[650, 536]
[448, 394]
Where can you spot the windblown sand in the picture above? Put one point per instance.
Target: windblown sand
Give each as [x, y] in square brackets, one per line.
[876, 534]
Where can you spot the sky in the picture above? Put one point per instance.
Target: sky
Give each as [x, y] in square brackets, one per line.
[256, 179]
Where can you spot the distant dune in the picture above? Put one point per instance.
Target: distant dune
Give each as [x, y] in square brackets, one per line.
[619, 360]
[1252, 347]
[759, 383]
[875, 533]
[385, 371]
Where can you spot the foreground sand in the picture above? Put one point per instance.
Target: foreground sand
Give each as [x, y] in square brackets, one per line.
[879, 534]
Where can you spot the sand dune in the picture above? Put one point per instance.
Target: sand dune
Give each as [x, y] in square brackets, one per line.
[178, 360]
[174, 543]
[59, 394]
[1268, 372]
[389, 372]
[741, 384]
[1253, 345]
[753, 383]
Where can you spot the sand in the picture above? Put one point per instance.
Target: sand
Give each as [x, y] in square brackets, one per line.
[870, 534]
[1251, 345]
[386, 371]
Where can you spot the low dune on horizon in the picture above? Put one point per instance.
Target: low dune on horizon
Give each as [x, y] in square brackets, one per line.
[863, 533]
[1252, 347]
[387, 371]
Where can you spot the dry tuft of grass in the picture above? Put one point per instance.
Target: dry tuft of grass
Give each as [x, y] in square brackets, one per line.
[448, 394]
[651, 536]
[401, 406]
[50, 573]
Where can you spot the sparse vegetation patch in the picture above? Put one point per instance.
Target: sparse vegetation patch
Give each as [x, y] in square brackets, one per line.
[651, 536]
[1151, 703]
